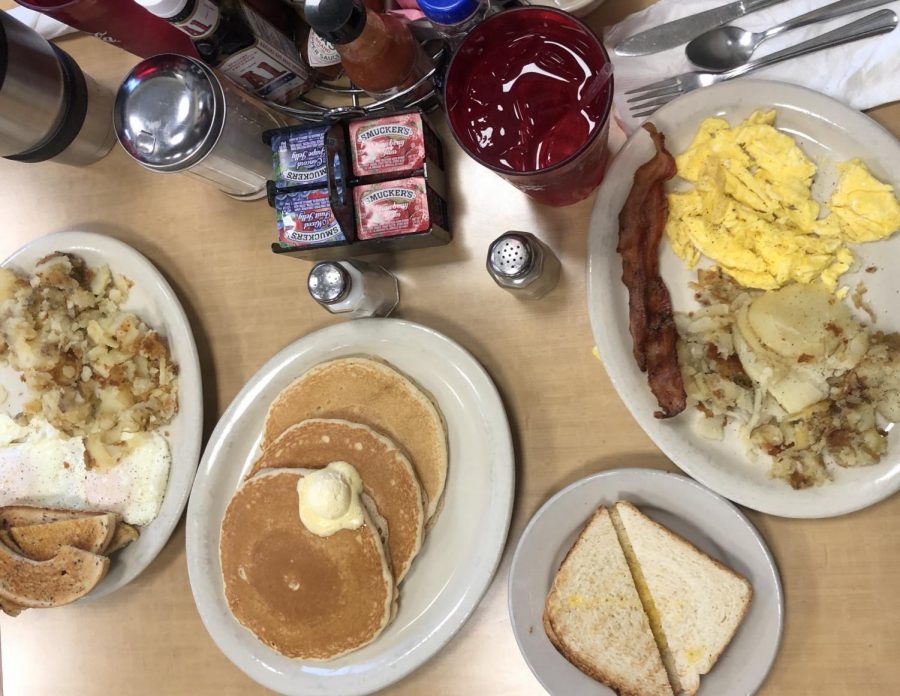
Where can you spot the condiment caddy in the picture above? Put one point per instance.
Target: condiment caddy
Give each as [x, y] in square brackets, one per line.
[358, 187]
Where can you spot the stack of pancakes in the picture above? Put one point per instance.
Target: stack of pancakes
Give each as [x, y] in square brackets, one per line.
[316, 597]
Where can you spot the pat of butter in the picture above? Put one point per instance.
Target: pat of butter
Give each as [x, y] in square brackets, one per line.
[329, 499]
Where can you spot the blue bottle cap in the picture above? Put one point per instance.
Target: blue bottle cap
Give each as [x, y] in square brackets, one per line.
[448, 11]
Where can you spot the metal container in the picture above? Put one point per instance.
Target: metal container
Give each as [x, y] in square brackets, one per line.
[520, 263]
[354, 288]
[175, 114]
[49, 109]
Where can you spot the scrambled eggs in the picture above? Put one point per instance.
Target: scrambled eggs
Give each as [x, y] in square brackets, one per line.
[862, 208]
[752, 212]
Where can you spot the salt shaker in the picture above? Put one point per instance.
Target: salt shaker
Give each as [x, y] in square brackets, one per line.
[355, 288]
[520, 263]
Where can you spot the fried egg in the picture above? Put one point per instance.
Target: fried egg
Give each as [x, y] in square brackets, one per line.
[751, 208]
[40, 466]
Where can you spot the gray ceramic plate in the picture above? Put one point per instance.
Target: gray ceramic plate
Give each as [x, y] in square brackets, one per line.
[153, 300]
[704, 518]
[460, 553]
[828, 132]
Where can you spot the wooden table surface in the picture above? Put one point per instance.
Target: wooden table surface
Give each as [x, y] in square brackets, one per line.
[840, 575]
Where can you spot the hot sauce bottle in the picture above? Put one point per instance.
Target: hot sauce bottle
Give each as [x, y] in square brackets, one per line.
[378, 52]
[320, 55]
[235, 39]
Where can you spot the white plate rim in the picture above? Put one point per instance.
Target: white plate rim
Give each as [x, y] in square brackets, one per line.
[669, 441]
[579, 8]
[190, 393]
[429, 645]
[668, 478]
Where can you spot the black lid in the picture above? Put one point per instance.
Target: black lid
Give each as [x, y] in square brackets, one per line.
[337, 21]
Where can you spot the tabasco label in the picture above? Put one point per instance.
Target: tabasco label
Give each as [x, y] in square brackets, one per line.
[390, 208]
[321, 53]
[397, 144]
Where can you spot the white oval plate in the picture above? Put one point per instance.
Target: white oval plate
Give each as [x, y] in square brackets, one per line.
[707, 520]
[460, 553]
[828, 132]
[579, 8]
[153, 300]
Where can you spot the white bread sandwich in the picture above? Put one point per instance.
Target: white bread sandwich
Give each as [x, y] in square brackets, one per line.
[594, 617]
[694, 603]
[640, 609]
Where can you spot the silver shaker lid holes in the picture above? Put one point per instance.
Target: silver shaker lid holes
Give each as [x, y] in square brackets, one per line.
[511, 255]
[328, 282]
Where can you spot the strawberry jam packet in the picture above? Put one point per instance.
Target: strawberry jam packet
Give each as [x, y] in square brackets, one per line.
[402, 207]
[393, 146]
[306, 219]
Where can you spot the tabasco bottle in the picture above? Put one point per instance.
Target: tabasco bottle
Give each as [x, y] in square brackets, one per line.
[235, 39]
[378, 52]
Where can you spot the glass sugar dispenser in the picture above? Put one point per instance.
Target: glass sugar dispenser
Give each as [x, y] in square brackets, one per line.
[355, 288]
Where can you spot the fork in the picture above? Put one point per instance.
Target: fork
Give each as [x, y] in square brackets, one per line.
[650, 97]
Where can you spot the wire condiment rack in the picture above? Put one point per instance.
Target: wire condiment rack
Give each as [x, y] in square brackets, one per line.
[308, 108]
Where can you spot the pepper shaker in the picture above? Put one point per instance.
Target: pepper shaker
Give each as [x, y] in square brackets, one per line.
[523, 265]
[355, 288]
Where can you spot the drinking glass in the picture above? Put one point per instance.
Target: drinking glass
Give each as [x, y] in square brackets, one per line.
[528, 94]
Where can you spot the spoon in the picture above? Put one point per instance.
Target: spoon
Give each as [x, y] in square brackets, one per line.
[724, 48]
[572, 119]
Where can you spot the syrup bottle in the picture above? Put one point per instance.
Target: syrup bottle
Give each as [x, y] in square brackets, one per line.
[235, 39]
[378, 52]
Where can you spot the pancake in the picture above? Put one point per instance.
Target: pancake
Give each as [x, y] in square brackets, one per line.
[365, 391]
[306, 596]
[387, 475]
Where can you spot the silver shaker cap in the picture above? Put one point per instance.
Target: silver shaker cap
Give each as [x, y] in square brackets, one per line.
[510, 255]
[169, 112]
[328, 282]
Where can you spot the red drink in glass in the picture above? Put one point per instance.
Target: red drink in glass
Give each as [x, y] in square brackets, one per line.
[122, 23]
[528, 94]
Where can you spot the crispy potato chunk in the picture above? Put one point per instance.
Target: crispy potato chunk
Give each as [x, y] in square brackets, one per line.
[96, 371]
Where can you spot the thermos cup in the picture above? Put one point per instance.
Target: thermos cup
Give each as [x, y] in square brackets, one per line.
[49, 109]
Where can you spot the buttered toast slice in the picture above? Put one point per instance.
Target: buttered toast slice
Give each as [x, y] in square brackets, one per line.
[24, 515]
[123, 536]
[695, 604]
[594, 617]
[69, 575]
[41, 542]
[27, 516]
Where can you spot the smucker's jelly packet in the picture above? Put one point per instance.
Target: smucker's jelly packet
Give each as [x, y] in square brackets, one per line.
[306, 219]
[397, 145]
[402, 207]
[299, 155]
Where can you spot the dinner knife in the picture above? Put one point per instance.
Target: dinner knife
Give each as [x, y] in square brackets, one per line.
[680, 31]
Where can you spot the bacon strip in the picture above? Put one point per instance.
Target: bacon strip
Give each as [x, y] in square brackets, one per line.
[651, 323]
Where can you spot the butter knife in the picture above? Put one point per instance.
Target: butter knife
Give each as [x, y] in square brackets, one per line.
[680, 31]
